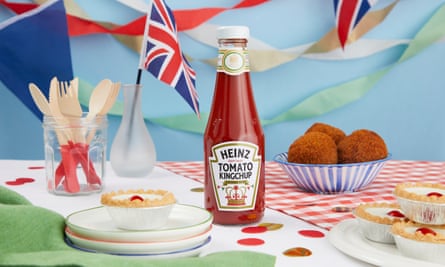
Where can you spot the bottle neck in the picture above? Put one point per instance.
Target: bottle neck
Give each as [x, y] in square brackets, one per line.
[228, 43]
[233, 56]
[132, 101]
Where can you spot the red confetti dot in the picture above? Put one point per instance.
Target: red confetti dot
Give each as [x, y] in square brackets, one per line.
[250, 241]
[25, 180]
[254, 229]
[311, 233]
[13, 183]
[36, 167]
[20, 181]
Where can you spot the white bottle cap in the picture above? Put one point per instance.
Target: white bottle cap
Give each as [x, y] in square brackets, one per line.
[232, 32]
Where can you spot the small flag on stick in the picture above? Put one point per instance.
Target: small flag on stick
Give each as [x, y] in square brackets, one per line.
[161, 54]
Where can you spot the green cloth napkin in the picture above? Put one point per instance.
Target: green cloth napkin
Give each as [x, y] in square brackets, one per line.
[34, 236]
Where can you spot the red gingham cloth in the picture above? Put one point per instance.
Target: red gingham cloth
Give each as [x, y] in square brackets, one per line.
[283, 195]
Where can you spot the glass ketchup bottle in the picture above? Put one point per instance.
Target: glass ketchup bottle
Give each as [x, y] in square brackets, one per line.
[234, 183]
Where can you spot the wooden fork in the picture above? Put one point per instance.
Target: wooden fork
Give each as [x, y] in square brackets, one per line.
[68, 99]
[69, 105]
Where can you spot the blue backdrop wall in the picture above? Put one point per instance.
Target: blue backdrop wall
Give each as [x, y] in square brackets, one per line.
[404, 106]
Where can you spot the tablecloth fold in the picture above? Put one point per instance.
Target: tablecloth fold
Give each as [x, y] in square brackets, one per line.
[34, 236]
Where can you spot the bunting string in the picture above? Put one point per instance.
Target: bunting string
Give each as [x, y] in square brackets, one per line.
[316, 104]
[80, 24]
[264, 56]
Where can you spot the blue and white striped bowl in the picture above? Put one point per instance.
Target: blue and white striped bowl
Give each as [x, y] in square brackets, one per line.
[331, 178]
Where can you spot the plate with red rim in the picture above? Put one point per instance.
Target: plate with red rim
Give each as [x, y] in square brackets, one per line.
[184, 221]
[346, 237]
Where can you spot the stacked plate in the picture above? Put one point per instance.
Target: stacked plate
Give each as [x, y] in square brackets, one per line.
[185, 234]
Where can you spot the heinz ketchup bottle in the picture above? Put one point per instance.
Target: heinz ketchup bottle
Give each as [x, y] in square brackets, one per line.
[234, 138]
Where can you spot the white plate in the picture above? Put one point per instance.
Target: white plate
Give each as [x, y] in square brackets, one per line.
[347, 238]
[191, 252]
[184, 221]
[137, 247]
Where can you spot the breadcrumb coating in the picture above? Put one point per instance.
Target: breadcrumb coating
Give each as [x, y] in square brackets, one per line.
[313, 148]
[361, 146]
[334, 132]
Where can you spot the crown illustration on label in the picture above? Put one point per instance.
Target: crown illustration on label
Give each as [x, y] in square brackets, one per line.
[236, 194]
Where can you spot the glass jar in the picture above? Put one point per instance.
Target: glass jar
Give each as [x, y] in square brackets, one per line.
[75, 154]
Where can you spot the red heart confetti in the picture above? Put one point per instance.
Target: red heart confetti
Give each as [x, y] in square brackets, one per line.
[20, 181]
[311, 233]
[250, 241]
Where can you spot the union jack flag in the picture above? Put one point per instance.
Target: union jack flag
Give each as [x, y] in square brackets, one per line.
[348, 14]
[163, 56]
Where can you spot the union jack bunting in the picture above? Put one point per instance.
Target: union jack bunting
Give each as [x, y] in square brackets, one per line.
[163, 56]
[348, 14]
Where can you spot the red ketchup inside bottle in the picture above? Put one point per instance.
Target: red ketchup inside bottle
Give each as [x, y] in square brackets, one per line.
[234, 146]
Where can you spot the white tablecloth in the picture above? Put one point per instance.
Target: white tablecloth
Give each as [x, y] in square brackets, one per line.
[223, 237]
